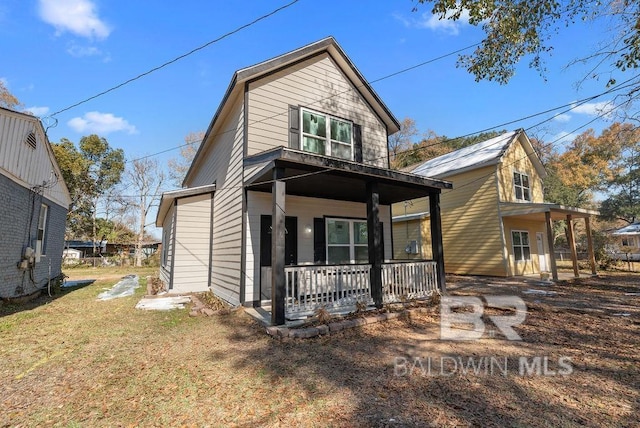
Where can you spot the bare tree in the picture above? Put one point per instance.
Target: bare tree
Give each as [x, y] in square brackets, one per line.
[402, 140]
[178, 167]
[146, 181]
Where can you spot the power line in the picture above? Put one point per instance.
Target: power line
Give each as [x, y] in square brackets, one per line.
[178, 58]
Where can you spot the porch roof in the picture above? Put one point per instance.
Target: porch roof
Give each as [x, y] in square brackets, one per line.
[308, 174]
[536, 211]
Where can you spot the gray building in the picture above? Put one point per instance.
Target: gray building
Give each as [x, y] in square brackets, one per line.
[34, 201]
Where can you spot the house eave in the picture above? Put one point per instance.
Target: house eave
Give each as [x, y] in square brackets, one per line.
[169, 197]
[313, 175]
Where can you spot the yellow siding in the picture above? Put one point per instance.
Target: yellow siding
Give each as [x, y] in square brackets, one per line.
[533, 227]
[413, 206]
[471, 225]
[517, 160]
[419, 231]
[316, 83]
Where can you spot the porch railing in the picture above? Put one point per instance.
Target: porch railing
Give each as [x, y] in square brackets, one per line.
[408, 280]
[311, 287]
[331, 286]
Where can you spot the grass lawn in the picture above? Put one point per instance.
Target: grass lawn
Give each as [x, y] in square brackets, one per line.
[74, 361]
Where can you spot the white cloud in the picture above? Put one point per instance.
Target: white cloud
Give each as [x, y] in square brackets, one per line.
[433, 22]
[602, 108]
[562, 117]
[76, 16]
[81, 51]
[101, 123]
[38, 111]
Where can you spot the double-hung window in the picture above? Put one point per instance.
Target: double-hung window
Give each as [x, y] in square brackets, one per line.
[326, 135]
[521, 248]
[521, 184]
[347, 241]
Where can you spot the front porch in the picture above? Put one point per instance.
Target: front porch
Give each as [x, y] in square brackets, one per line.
[342, 274]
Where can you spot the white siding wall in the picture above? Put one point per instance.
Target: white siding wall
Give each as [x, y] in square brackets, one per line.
[316, 83]
[193, 230]
[305, 209]
[23, 164]
[222, 164]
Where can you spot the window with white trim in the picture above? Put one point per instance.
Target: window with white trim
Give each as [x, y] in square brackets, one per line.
[521, 247]
[326, 135]
[628, 242]
[521, 185]
[347, 241]
[42, 231]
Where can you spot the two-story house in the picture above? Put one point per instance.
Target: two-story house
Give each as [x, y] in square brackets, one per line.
[288, 200]
[494, 220]
[34, 201]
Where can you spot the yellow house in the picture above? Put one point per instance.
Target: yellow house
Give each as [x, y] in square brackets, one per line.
[494, 220]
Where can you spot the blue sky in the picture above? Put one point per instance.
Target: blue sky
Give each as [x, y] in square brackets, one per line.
[56, 53]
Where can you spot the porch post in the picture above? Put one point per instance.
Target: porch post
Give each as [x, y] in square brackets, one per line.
[592, 256]
[572, 245]
[436, 237]
[374, 238]
[552, 253]
[278, 191]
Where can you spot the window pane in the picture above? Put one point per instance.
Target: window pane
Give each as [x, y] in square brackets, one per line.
[516, 179]
[515, 236]
[525, 238]
[525, 181]
[526, 195]
[341, 131]
[338, 232]
[517, 253]
[313, 123]
[360, 232]
[361, 254]
[338, 255]
[526, 253]
[341, 150]
[313, 145]
[518, 192]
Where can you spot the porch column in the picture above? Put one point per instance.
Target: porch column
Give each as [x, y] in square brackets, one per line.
[592, 256]
[436, 237]
[374, 238]
[572, 245]
[278, 191]
[552, 253]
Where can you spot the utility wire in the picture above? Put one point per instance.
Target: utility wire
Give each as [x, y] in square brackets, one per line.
[178, 58]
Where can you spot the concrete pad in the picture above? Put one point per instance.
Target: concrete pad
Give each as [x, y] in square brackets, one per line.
[163, 303]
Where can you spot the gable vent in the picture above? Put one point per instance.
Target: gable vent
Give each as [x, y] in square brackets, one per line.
[31, 140]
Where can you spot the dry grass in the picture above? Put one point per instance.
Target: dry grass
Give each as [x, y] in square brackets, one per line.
[75, 361]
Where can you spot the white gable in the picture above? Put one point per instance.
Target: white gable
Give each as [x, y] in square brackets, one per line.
[476, 155]
[27, 158]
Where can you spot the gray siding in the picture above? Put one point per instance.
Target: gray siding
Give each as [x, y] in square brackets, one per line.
[316, 83]
[16, 215]
[222, 164]
[193, 232]
[167, 247]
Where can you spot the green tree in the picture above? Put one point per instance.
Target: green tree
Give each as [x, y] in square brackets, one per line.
[90, 171]
[515, 29]
[623, 202]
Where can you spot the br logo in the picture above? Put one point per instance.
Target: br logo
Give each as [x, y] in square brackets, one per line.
[465, 311]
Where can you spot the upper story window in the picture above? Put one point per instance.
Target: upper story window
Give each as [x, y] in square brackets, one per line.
[522, 187]
[326, 135]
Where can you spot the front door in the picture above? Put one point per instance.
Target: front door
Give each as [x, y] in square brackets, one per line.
[290, 248]
[542, 257]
